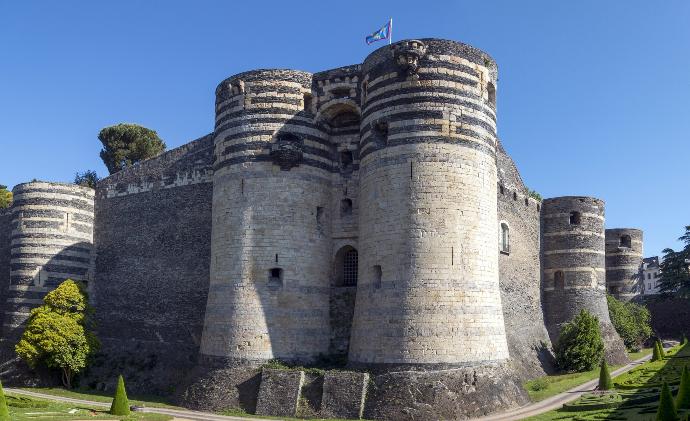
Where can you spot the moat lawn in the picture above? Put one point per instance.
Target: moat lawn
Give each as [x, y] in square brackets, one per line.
[23, 408]
[635, 396]
[547, 386]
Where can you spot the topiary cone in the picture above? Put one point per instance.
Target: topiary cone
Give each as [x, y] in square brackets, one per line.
[4, 411]
[683, 397]
[120, 404]
[661, 349]
[667, 410]
[656, 355]
[605, 382]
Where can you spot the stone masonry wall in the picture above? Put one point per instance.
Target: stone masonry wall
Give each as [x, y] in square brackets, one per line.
[5, 233]
[153, 224]
[623, 261]
[520, 272]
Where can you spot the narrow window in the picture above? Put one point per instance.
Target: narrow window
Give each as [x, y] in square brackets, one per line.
[307, 101]
[626, 241]
[365, 86]
[505, 238]
[502, 189]
[492, 93]
[575, 218]
[346, 160]
[319, 215]
[66, 222]
[514, 195]
[381, 133]
[275, 277]
[377, 274]
[559, 280]
[350, 268]
[526, 201]
[346, 207]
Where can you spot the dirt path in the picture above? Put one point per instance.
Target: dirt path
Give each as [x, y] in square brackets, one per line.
[557, 401]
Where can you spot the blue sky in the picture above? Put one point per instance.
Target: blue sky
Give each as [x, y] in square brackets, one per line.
[592, 97]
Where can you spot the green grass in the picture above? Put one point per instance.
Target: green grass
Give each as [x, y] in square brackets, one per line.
[547, 386]
[23, 408]
[97, 396]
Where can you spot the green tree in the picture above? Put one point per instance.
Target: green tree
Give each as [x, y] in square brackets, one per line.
[580, 346]
[5, 197]
[88, 178]
[683, 397]
[127, 144]
[675, 274]
[4, 411]
[632, 322]
[534, 194]
[667, 410]
[120, 405]
[605, 382]
[59, 333]
[656, 354]
[661, 348]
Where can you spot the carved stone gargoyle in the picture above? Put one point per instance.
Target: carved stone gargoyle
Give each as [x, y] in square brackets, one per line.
[407, 55]
[286, 152]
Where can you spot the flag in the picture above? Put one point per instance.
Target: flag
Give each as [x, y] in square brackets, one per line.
[383, 33]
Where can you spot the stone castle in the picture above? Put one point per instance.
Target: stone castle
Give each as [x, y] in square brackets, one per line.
[367, 213]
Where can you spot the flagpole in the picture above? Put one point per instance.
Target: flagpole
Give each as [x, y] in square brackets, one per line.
[390, 36]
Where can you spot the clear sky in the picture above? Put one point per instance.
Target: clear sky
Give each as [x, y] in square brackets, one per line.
[593, 96]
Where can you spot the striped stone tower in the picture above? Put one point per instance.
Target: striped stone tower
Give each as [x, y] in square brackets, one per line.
[573, 267]
[51, 241]
[428, 291]
[270, 261]
[623, 261]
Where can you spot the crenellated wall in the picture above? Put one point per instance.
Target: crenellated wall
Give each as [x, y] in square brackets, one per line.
[153, 226]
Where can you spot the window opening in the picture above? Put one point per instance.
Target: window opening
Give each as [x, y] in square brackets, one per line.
[505, 238]
[346, 207]
[559, 280]
[575, 218]
[350, 262]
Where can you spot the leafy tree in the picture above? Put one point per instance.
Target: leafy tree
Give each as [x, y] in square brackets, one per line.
[675, 274]
[120, 405]
[88, 178]
[667, 410]
[127, 144]
[605, 382]
[4, 411]
[580, 347]
[683, 397]
[5, 197]
[534, 194]
[59, 333]
[632, 322]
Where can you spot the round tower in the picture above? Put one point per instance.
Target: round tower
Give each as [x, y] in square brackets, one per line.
[573, 267]
[270, 261]
[428, 291]
[623, 261]
[52, 240]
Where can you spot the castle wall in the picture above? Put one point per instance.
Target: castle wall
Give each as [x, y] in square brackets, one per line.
[153, 227]
[520, 272]
[623, 261]
[428, 290]
[271, 243]
[52, 240]
[5, 234]
[573, 267]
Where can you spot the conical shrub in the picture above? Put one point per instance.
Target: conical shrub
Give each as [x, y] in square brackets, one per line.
[605, 382]
[667, 410]
[4, 411]
[656, 354]
[120, 404]
[683, 397]
[661, 349]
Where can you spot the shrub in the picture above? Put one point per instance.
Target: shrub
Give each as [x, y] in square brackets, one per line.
[120, 405]
[683, 397]
[538, 384]
[656, 354]
[632, 322]
[661, 349]
[605, 382]
[4, 411]
[580, 347]
[667, 410]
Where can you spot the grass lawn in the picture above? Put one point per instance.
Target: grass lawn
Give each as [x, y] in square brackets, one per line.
[636, 393]
[96, 396]
[23, 408]
[547, 386]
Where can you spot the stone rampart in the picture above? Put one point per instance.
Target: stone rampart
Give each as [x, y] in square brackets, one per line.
[623, 261]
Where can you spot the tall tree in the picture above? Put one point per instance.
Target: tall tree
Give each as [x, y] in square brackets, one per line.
[127, 144]
[675, 275]
[88, 178]
[5, 197]
[58, 333]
